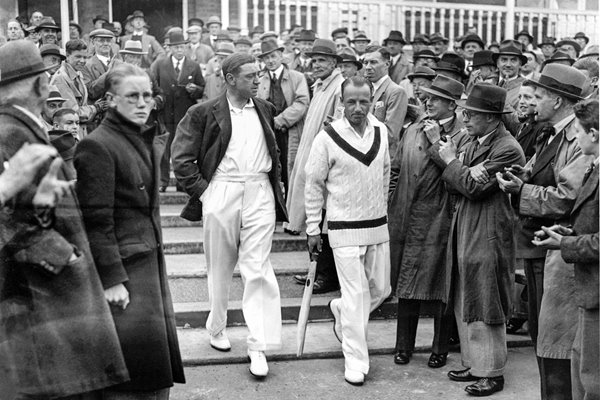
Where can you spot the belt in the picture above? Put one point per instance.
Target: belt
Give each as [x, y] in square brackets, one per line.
[241, 177]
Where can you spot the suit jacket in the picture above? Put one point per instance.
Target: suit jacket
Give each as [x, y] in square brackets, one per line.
[177, 98]
[512, 87]
[149, 44]
[200, 144]
[44, 318]
[118, 170]
[399, 70]
[389, 106]
[94, 70]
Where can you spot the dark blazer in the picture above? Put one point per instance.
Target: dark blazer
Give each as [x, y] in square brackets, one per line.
[177, 99]
[117, 170]
[582, 248]
[200, 143]
[56, 331]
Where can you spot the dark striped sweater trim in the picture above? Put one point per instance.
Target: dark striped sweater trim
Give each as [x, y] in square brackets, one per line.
[369, 223]
[367, 158]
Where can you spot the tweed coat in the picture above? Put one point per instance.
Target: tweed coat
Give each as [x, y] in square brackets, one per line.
[399, 70]
[419, 214]
[295, 91]
[57, 336]
[149, 44]
[117, 169]
[177, 99]
[389, 106]
[200, 144]
[558, 312]
[482, 234]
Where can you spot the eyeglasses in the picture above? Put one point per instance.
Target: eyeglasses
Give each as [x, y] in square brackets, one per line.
[134, 98]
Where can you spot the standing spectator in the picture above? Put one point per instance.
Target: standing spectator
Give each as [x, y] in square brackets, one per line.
[182, 84]
[548, 47]
[545, 191]
[570, 47]
[390, 101]
[225, 156]
[149, 43]
[579, 245]
[531, 69]
[36, 18]
[14, 30]
[525, 39]
[470, 45]
[582, 40]
[509, 59]
[287, 90]
[420, 78]
[75, 31]
[53, 305]
[117, 167]
[198, 51]
[99, 20]
[420, 213]
[302, 61]
[324, 107]
[399, 64]
[350, 65]
[52, 57]
[215, 83]
[97, 65]
[48, 31]
[484, 69]
[439, 43]
[214, 27]
[481, 258]
[360, 43]
[349, 169]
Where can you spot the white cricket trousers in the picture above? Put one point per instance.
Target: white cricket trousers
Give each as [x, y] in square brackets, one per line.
[239, 220]
[364, 274]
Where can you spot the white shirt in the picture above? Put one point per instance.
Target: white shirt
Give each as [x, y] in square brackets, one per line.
[247, 152]
[104, 60]
[441, 122]
[362, 143]
[396, 58]
[277, 73]
[377, 85]
[560, 125]
[482, 138]
[177, 62]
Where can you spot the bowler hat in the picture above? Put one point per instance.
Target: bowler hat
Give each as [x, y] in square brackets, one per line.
[360, 37]
[562, 79]
[571, 42]
[350, 58]
[101, 33]
[438, 37]
[472, 38]
[133, 47]
[509, 49]
[306, 35]
[47, 23]
[54, 94]
[20, 59]
[485, 98]
[324, 47]
[176, 38]
[343, 30]
[422, 72]
[558, 56]
[524, 33]
[213, 19]
[421, 38]
[394, 36]
[99, 18]
[51, 50]
[426, 54]
[483, 57]
[195, 21]
[77, 26]
[446, 88]
[582, 35]
[269, 46]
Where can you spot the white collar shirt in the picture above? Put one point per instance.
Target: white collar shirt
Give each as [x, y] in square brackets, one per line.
[104, 60]
[277, 73]
[177, 63]
[560, 125]
[377, 85]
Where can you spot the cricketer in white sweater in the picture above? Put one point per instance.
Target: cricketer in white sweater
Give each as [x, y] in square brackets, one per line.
[349, 176]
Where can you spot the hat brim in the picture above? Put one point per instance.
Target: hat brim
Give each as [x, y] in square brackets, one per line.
[318, 53]
[438, 94]
[178, 43]
[462, 74]
[530, 82]
[426, 76]
[55, 99]
[357, 63]
[261, 55]
[401, 41]
[54, 27]
[140, 53]
[463, 104]
[521, 57]
[23, 75]
[463, 43]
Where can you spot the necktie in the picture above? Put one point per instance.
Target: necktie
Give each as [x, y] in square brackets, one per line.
[177, 67]
[542, 140]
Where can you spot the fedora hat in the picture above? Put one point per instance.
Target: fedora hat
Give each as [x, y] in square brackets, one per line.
[451, 62]
[421, 38]
[422, 72]
[483, 57]
[495, 44]
[548, 40]
[47, 23]
[269, 46]
[426, 54]
[558, 56]
[524, 33]
[99, 18]
[361, 37]
[472, 38]
[176, 37]
[101, 33]
[438, 37]
[213, 19]
[324, 47]
[54, 94]
[225, 49]
[350, 58]
[133, 47]
[446, 88]
[582, 35]
[510, 49]
[562, 79]
[571, 42]
[51, 50]
[485, 98]
[394, 36]
[306, 35]
[20, 59]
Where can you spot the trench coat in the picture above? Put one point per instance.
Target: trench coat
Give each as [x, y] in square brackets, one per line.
[482, 243]
[558, 312]
[419, 214]
[117, 170]
[57, 337]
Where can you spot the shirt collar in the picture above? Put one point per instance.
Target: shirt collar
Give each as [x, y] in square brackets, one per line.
[483, 138]
[175, 61]
[138, 33]
[596, 162]
[233, 109]
[368, 127]
[562, 124]
[444, 121]
[277, 72]
[377, 85]
[104, 59]
[396, 58]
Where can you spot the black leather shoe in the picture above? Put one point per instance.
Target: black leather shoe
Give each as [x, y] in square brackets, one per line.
[402, 357]
[462, 376]
[514, 324]
[437, 360]
[321, 286]
[486, 386]
[162, 189]
[300, 279]
[290, 232]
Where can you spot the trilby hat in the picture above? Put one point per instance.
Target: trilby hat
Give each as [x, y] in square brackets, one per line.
[571, 42]
[350, 58]
[422, 72]
[324, 47]
[486, 98]
[421, 38]
[509, 49]
[47, 23]
[133, 47]
[426, 54]
[51, 49]
[446, 88]
[54, 94]
[269, 46]
[243, 40]
[562, 79]
[524, 33]
[438, 37]
[20, 59]
[395, 36]
[176, 38]
[483, 57]
[472, 38]
[558, 56]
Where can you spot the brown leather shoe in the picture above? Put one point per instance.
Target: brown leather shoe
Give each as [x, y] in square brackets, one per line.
[486, 386]
[402, 357]
[462, 376]
[437, 360]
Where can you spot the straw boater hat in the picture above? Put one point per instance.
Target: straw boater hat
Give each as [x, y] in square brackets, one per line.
[446, 88]
[133, 47]
[20, 59]
[562, 79]
[509, 49]
[486, 98]
[324, 47]
[269, 46]
[422, 72]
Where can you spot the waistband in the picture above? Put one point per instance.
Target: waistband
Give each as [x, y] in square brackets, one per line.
[241, 177]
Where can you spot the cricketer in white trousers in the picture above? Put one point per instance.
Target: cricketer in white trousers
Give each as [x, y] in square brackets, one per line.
[364, 274]
[239, 220]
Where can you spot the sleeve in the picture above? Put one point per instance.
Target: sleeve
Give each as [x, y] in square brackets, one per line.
[297, 110]
[397, 105]
[95, 191]
[198, 81]
[317, 170]
[580, 249]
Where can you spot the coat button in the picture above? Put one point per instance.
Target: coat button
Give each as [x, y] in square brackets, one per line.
[142, 187]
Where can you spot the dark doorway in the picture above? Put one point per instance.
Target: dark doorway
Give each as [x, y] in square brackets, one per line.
[159, 13]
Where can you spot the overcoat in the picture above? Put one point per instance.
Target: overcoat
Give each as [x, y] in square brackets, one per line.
[389, 106]
[482, 235]
[117, 186]
[419, 214]
[57, 336]
[200, 144]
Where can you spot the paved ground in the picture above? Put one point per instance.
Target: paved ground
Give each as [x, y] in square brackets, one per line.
[323, 379]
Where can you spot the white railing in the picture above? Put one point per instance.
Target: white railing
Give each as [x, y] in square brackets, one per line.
[378, 17]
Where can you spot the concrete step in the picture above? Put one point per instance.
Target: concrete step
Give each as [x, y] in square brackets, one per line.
[188, 240]
[320, 343]
[169, 217]
[188, 279]
[171, 196]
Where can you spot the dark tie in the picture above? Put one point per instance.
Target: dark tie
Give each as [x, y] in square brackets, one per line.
[542, 140]
[177, 70]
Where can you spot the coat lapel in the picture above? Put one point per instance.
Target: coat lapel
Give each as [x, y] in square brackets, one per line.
[588, 189]
[547, 155]
[223, 118]
[380, 91]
